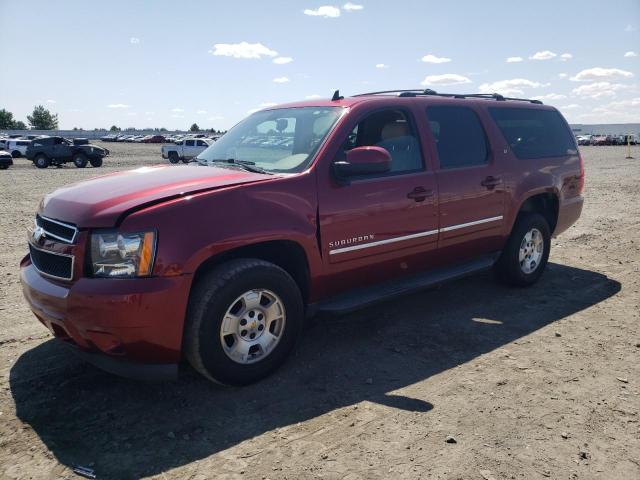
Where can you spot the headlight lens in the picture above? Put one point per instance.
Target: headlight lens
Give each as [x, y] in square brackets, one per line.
[118, 254]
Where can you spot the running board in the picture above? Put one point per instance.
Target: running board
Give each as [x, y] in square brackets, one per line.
[364, 297]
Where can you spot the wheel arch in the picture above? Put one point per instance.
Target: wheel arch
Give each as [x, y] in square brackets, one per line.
[545, 203]
[287, 254]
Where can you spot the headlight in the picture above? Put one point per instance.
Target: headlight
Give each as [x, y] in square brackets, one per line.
[117, 254]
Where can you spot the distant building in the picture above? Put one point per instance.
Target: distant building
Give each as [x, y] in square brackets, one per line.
[606, 129]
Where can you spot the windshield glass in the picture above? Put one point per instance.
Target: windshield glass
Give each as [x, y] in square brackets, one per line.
[280, 140]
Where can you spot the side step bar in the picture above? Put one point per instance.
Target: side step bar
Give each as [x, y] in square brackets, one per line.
[364, 297]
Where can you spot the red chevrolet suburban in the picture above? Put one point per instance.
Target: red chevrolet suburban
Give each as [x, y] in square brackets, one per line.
[325, 205]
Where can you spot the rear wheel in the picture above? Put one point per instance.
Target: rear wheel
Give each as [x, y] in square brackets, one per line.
[96, 162]
[4, 167]
[243, 320]
[80, 160]
[41, 161]
[16, 154]
[525, 256]
[173, 157]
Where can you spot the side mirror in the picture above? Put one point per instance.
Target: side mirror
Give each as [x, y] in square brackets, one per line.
[362, 161]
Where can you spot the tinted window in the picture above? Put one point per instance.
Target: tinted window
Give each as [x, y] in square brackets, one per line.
[534, 133]
[190, 143]
[459, 136]
[391, 130]
[202, 143]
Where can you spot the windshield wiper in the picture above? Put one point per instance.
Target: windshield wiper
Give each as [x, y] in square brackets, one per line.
[244, 164]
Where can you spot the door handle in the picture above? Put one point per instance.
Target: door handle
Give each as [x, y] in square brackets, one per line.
[419, 194]
[490, 182]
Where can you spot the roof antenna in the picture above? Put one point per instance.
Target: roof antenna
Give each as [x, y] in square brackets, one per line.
[336, 96]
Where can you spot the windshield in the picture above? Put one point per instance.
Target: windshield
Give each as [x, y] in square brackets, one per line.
[280, 140]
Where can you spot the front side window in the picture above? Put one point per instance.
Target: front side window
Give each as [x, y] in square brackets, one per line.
[278, 140]
[391, 130]
[534, 133]
[459, 136]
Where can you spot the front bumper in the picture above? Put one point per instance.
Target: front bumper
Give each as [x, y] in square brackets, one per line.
[131, 327]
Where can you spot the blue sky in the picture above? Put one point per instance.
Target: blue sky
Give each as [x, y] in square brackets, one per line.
[162, 63]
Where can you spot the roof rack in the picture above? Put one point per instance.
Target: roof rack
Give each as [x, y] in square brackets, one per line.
[429, 92]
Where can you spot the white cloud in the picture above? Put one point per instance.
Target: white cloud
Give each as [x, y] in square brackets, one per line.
[598, 90]
[281, 79]
[117, 105]
[352, 7]
[149, 113]
[629, 28]
[132, 114]
[550, 96]
[51, 101]
[177, 110]
[599, 73]
[312, 97]
[326, 11]
[134, 40]
[514, 59]
[571, 106]
[544, 55]
[630, 54]
[381, 65]
[215, 117]
[282, 60]
[201, 112]
[435, 59]
[566, 56]
[242, 50]
[563, 75]
[446, 79]
[175, 115]
[513, 86]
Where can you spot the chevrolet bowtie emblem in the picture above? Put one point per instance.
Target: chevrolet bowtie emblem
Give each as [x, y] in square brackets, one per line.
[38, 233]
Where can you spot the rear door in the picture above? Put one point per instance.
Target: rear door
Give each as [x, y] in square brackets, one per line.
[189, 149]
[470, 182]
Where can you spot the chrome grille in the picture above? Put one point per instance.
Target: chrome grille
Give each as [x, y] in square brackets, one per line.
[56, 265]
[56, 229]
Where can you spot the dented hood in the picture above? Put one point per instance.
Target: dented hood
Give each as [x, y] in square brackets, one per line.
[100, 202]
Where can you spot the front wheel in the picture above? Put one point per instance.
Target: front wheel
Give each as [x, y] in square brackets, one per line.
[80, 160]
[173, 157]
[96, 162]
[243, 320]
[525, 256]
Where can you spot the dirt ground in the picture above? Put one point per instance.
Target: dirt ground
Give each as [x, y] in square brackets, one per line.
[532, 384]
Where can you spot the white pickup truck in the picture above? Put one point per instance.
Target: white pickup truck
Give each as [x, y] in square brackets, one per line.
[185, 149]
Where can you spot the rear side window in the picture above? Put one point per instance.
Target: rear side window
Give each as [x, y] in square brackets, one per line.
[459, 136]
[534, 133]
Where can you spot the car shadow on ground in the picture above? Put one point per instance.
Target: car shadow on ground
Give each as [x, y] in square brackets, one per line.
[128, 429]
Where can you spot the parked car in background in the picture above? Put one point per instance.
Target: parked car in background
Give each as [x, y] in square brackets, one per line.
[109, 138]
[58, 150]
[185, 150]
[630, 139]
[584, 139]
[153, 139]
[6, 160]
[17, 148]
[601, 140]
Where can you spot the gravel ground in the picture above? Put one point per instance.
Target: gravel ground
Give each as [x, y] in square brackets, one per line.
[529, 384]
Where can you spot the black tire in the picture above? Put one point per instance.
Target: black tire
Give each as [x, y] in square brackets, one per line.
[173, 157]
[16, 154]
[80, 160]
[210, 299]
[41, 161]
[96, 162]
[185, 160]
[4, 167]
[508, 267]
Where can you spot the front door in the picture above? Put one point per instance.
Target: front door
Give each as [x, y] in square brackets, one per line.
[379, 226]
[61, 149]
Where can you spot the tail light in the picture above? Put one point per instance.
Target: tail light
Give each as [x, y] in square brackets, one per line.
[581, 177]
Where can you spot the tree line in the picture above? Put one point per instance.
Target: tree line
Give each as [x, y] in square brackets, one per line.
[43, 119]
